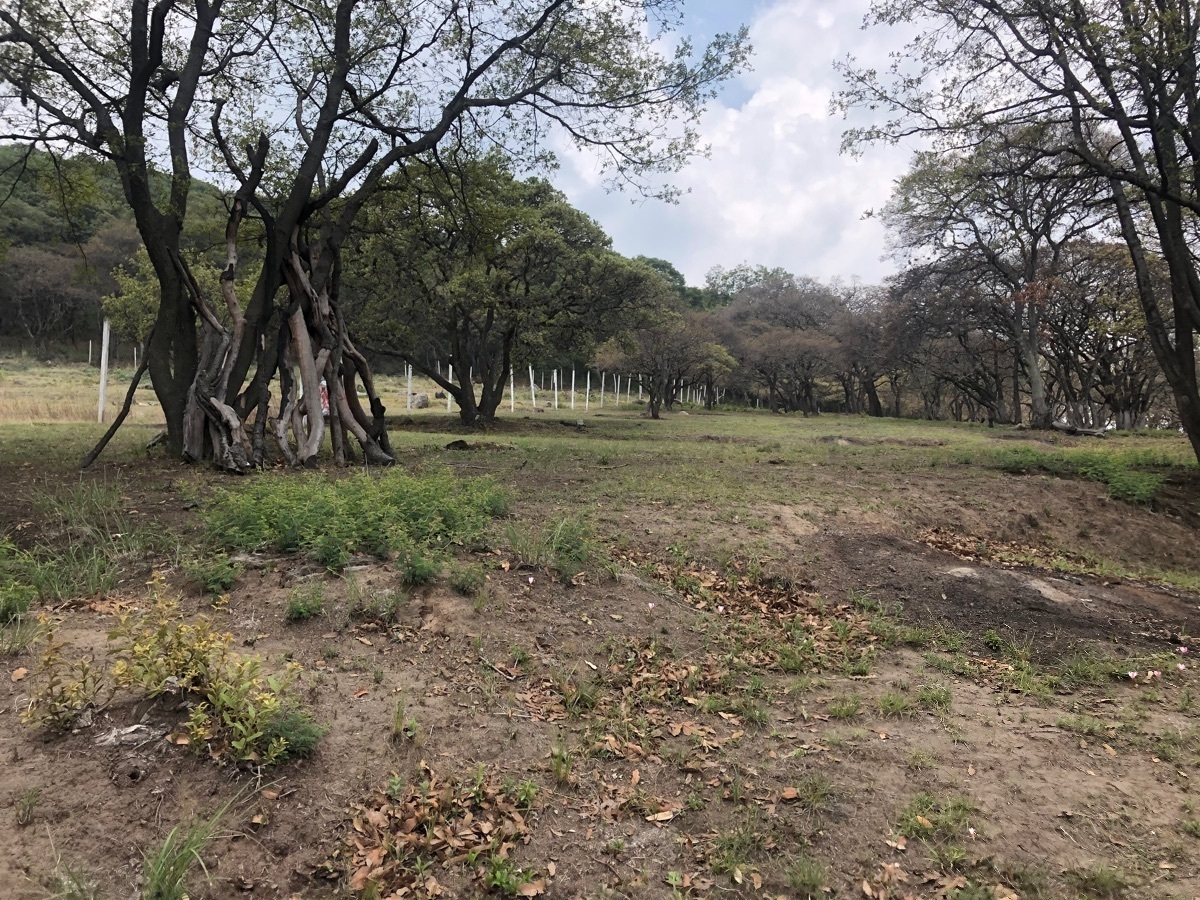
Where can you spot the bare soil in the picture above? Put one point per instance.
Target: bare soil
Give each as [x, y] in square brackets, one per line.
[666, 795]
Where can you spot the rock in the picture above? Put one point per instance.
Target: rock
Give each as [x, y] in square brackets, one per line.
[420, 401]
[440, 395]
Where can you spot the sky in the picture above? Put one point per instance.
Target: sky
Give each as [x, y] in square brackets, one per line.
[775, 190]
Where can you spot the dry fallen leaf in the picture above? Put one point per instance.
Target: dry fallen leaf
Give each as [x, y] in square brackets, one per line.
[970, 770]
[367, 641]
[270, 795]
[18, 674]
[533, 888]
[924, 822]
[358, 695]
[1109, 750]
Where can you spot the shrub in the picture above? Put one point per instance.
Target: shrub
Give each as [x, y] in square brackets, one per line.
[331, 519]
[213, 572]
[306, 601]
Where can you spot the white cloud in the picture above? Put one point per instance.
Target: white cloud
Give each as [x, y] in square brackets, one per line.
[775, 190]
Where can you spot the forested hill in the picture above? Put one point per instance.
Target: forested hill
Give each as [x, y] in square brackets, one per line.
[64, 227]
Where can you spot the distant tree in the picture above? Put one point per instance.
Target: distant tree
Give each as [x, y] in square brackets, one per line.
[666, 350]
[1116, 80]
[42, 294]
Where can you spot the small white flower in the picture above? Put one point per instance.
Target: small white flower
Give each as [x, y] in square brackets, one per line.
[531, 579]
[1132, 675]
[720, 609]
[650, 606]
[1180, 666]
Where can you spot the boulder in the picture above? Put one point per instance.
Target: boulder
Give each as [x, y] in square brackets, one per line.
[420, 401]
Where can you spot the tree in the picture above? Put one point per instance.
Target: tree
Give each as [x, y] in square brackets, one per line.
[664, 351]
[303, 111]
[462, 263]
[1117, 79]
[999, 216]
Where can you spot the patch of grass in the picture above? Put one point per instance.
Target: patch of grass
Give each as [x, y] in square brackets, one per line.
[25, 806]
[894, 704]
[805, 878]
[565, 547]
[1087, 725]
[214, 571]
[166, 870]
[814, 793]
[306, 601]
[365, 603]
[1127, 473]
[844, 707]
[467, 580]
[921, 759]
[929, 818]
[1191, 827]
[332, 519]
[935, 696]
[736, 847]
[1100, 882]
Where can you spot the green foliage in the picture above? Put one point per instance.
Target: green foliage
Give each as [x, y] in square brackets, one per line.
[565, 547]
[1124, 471]
[214, 572]
[306, 601]
[165, 872]
[467, 580]
[414, 519]
[806, 878]
[241, 713]
[929, 818]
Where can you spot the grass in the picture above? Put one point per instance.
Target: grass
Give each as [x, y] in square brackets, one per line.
[805, 878]
[167, 869]
[565, 546]
[306, 601]
[1132, 474]
[927, 817]
[1102, 882]
[410, 519]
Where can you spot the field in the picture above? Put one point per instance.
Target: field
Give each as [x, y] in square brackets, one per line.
[593, 655]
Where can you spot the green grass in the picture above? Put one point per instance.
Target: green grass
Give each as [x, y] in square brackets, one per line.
[392, 515]
[306, 601]
[168, 868]
[1132, 474]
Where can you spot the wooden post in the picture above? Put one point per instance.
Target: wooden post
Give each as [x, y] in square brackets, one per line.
[449, 377]
[532, 392]
[628, 388]
[512, 391]
[617, 392]
[554, 384]
[639, 389]
[135, 356]
[587, 394]
[89, 352]
[572, 387]
[106, 335]
[408, 404]
[602, 390]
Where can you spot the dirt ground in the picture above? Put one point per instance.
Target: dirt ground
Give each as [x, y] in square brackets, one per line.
[704, 766]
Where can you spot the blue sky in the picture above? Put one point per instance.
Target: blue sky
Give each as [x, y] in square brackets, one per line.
[775, 189]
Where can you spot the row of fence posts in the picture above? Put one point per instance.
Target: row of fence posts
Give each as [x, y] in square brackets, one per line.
[693, 395]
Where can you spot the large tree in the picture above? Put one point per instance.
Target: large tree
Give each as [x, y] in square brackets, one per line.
[997, 217]
[1118, 78]
[302, 111]
[461, 263]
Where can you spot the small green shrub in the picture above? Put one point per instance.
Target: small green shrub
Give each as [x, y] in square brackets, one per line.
[214, 572]
[306, 601]
[566, 547]
[332, 519]
[467, 580]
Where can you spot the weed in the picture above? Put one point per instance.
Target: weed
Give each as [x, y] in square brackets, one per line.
[467, 580]
[814, 793]
[505, 876]
[366, 604]
[165, 871]
[844, 707]
[25, 806]
[60, 688]
[805, 878]
[928, 818]
[736, 847]
[213, 572]
[404, 727]
[921, 759]
[1100, 881]
[331, 519]
[306, 601]
[894, 704]
[1086, 725]
[615, 847]
[1191, 827]
[561, 760]
[566, 547]
[934, 696]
